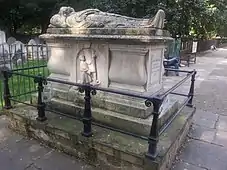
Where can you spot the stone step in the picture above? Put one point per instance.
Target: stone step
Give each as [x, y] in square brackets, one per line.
[115, 119]
[106, 149]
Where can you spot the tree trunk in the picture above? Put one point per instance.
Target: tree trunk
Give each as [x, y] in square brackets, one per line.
[44, 27]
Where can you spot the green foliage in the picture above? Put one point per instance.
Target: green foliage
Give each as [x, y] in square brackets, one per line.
[198, 18]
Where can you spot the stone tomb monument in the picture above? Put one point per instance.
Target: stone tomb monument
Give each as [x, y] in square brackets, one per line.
[114, 52]
[110, 51]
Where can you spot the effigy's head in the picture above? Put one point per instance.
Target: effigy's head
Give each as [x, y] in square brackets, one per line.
[94, 18]
[66, 11]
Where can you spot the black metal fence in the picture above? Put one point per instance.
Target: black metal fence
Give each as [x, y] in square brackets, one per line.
[25, 59]
[39, 78]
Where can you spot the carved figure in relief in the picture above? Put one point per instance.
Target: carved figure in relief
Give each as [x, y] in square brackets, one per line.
[88, 70]
[85, 77]
[94, 18]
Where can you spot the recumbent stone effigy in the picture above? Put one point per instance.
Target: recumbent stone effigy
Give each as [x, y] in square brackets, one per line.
[111, 51]
[108, 51]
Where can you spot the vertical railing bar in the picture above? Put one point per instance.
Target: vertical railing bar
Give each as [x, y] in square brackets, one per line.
[37, 53]
[43, 61]
[28, 72]
[33, 61]
[87, 118]
[11, 66]
[23, 78]
[6, 91]
[18, 77]
[2, 101]
[192, 88]
[40, 104]
[2, 85]
[47, 58]
[3, 55]
[4, 67]
[154, 131]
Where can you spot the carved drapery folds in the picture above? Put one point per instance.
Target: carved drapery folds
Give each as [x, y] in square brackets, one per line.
[94, 18]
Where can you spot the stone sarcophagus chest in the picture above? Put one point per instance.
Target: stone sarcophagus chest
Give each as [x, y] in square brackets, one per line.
[110, 51]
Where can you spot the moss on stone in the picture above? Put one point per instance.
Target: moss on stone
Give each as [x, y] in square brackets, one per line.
[106, 148]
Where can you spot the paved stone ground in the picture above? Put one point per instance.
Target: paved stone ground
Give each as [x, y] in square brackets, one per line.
[19, 153]
[206, 147]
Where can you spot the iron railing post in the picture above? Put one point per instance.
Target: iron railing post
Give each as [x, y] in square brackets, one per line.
[154, 132]
[6, 91]
[87, 118]
[191, 91]
[40, 104]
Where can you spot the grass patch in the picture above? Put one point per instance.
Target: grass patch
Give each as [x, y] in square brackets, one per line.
[20, 85]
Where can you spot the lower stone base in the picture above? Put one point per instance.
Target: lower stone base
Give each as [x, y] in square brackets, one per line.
[114, 119]
[125, 105]
[106, 149]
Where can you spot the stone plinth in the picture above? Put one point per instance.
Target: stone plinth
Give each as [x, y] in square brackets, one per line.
[109, 51]
[106, 149]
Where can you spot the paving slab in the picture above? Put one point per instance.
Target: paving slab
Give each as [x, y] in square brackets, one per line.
[8, 164]
[207, 146]
[20, 153]
[222, 123]
[206, 119]
[53, 161]
[220, 70]
[25, 152]
[205, 155]
[186, 166]
[221, 138]
[202, 133]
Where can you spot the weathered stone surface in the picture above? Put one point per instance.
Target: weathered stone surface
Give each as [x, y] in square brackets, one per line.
[20, 153]
[221, 123]
[207, 119]
[108, 149]
[112, 102]
[109, 51]
[145, 34]
[221, 138]
[186, 166]
[58, 162]
[114, 119]
[94, 18]
[113, 52]
[210, 97]
[215, 155]
[202, 133]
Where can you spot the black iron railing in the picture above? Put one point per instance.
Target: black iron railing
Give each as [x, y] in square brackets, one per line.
[88, 90]
[24, 72]
[25, 59]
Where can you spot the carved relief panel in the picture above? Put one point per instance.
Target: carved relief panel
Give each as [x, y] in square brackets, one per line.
[87, 67]
[128, 67]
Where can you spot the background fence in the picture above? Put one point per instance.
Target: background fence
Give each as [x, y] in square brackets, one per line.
[23, 59]
[175, 46]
